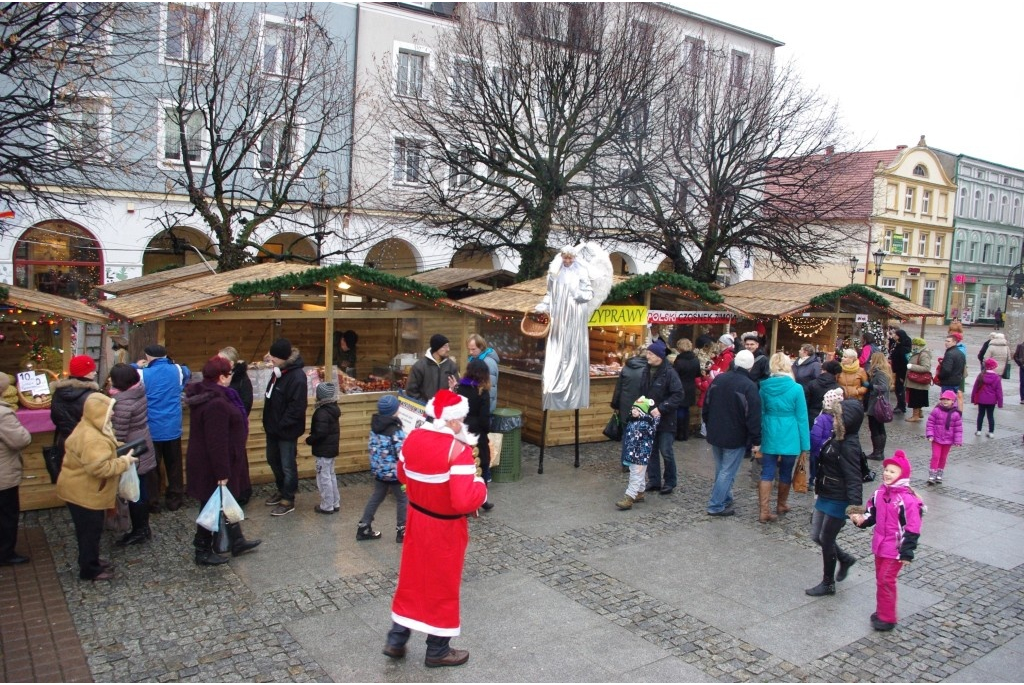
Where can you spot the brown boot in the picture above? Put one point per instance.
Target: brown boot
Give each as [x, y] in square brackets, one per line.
[780, 504]
[915, 416]
[625, 503]
[764, 496]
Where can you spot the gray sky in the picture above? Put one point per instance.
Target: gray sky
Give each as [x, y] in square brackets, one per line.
[902, 68]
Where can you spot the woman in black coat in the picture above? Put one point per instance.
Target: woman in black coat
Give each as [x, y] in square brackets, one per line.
[838, 485]
[475, 386]
[687, 366]
[218, 429]
[898, 357]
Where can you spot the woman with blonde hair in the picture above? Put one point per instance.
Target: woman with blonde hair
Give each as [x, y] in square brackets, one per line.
[852, 379]
[784, 433]
[919, 365]
[881, 381]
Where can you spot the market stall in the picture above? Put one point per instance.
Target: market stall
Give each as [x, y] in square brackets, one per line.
[636, 307]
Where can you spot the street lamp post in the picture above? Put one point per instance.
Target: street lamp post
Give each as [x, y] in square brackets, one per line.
[879, 257]
[853, 268]
[321, 212]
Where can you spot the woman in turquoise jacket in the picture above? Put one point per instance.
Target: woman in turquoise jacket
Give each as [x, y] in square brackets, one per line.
[784, 433]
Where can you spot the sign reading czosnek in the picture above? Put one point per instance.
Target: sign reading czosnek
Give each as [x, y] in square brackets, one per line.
[658, 316]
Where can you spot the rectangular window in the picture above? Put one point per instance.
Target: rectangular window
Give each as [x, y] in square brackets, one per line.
[279, 41]
[696, 53]
[681, 197]
[552, 22]
[887, 282]
[410, 73]
[958, 251]
[973, 256]
[83, 128]
[183, 137]
[634, 124]
[887, 241]
[630, 195]
[922, 245]
[908, 200]
[185, 39]
[938, 246]
[277, 148]
[81, 24]
[738, 69]
[1013, 256]
[999, 255]
[986, 252]
[487, 10]
[498, 167]
[926, 202]
[928, 296]
[408, 161]
[463, 85]
[461, 169]
[908, 288]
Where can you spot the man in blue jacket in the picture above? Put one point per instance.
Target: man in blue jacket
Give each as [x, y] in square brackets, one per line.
[284, 420]
[732, 414]
[164, 381]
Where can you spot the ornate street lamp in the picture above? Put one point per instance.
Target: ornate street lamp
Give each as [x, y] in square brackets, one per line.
[853, 268]
[879, 257]
[321, 212]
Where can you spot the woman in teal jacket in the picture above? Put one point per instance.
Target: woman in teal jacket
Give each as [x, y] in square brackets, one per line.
[784, 433]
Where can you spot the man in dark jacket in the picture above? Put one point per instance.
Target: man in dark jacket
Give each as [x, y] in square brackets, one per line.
[898, 358]
[68, 398]
[662, 385]
[732, 414]
[759, 371]
[284, 420]
[434, 371]
[953, 366]
[630, 384]
[816, 389]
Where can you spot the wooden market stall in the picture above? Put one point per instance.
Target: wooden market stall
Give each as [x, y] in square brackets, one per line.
[822, 315]
[196, 313]
[40, 325]
[634, 306]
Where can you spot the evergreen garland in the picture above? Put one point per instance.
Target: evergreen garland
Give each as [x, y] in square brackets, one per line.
[638, 284]
[4, 293]
[867, 293]
[310, 277]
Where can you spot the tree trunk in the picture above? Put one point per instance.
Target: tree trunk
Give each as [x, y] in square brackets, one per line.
[232, 256]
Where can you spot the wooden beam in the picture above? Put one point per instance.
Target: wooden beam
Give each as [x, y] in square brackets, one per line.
[775, 335]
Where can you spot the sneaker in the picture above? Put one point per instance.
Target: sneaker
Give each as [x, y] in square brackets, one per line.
[273, 500]
[285, 507]
[978, 433]
[938, 479]
[989, 435]
[317, 509]
[931, 481]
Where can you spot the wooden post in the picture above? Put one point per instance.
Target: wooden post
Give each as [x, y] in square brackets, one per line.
[775, 336]
[576, 464]
[65, 344]
[835, 328]
[329, 332]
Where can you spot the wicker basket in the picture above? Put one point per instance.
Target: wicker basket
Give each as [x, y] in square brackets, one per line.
[535, 324]
[30, 401]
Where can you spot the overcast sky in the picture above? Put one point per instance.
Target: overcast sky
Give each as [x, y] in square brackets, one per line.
[902, 68]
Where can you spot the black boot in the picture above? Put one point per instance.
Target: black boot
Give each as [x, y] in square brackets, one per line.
[364, 532]
[239, 545]
[881, 445]
[205, 556]
[399, 534]
[846, 560]
[827, 586]
[140, 532]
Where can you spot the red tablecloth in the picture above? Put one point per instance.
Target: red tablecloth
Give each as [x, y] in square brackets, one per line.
[35, 420]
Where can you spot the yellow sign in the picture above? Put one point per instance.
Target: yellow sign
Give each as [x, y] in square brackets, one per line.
[619, 315]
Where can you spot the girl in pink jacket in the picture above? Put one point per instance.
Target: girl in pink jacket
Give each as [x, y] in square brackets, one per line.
[988, 394]
[895, 512]
[945, 430]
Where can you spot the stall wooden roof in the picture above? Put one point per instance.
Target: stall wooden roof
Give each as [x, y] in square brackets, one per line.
[453, 277]
[774, 299]
[159, 300]
[160, 278]
[46, 303]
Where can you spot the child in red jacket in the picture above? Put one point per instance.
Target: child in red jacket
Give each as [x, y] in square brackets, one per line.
[895, 512]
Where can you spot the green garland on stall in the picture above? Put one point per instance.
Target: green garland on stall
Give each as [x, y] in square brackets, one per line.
[4, 293]
[643, 282]
[305, 279]
[854, 289]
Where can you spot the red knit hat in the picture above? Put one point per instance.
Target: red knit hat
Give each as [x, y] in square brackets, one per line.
[447, 406]
[81, 365]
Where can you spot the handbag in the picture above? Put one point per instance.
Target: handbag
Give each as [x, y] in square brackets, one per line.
[800, 473]
[883, 410]
[53, 458]
[221, 539]
[613, 429]
[919, 377]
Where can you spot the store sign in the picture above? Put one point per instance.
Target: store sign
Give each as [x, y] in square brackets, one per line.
[897, 243]
[411, 413]
[619, 315]
[959, 278]
[861, 318]
[658, 316]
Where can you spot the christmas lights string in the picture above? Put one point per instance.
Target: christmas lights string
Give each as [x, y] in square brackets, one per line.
[806, 327]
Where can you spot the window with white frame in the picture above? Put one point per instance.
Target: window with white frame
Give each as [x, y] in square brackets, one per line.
[939, 239]
[986, 252]
[928, 294]
[183, 135]
[999, 255]
[83, 127]
[926, 202]
[278, 147]
[908, 287]
[738, 63]
[280, 38]
[82, 24]
[958, 250]
[887, 241]
[629, 193]
[908, 200]
[186, 33]
[461, 168]
[408, 161]
[921, 170]
[463, 81]
[990, 207]
[487, 10]
[634, 123]
[411, 71]
[1004, 207]
[551, 20]
[976, 207]
[887, 282]
[739, 127]
[1013, 255]
[696, 53]
[1015, 212]
[963, 202]
[972, 254]
[497, 172]
[922, 244]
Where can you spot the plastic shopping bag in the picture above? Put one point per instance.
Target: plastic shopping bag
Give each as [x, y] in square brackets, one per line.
[231, 508]
[209, 517]
[128, 489]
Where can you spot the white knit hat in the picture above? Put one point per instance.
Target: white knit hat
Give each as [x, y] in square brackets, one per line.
[831, 398]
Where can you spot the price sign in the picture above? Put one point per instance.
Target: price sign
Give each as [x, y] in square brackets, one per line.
[861, 318]
[31, 382]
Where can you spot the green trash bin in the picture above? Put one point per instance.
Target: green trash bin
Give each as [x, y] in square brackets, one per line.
[508, 422]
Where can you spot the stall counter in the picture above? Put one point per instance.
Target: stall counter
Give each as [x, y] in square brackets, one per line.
[522, 390]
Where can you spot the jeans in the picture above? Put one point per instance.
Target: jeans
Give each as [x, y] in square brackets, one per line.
[663, 448]
[727, 463]
[380, 491]
[281, 455]
[784, 463]
[327, 484]
[437, 646]
[987, 410]
[88, 531]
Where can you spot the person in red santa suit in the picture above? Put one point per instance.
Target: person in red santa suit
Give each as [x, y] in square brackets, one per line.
[443, 484]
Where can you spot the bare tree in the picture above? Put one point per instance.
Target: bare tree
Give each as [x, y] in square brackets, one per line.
[736, 158]
[498, 151]
[257, 121]
[61, 70]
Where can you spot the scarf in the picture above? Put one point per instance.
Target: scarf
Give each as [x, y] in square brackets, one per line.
[851, 366]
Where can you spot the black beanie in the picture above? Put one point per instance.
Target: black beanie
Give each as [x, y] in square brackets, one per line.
[437, 341]
[282, 348]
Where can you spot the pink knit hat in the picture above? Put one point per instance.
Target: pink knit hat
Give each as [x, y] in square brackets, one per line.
[991, 364]
[899, 459]
[948, 395]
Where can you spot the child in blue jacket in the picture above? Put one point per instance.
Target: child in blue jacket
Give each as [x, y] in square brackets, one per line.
[637, 444]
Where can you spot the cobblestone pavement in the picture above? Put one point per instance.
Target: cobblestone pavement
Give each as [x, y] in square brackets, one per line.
[560, 586]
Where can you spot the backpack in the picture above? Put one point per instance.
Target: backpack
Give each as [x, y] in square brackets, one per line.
[384, 454]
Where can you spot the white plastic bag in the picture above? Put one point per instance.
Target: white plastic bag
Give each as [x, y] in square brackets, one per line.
[209, 517]
[232, 509]
[128, 489]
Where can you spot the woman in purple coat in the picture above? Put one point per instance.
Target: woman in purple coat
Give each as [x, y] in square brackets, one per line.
[130, 422]
[218, 429]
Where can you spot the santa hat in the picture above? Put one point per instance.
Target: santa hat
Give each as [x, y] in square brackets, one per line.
[448, 406]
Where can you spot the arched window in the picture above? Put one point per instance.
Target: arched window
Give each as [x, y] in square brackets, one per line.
[962, 211]
[58, 257]
[976, 208]
[1004, 205]
[990, 207]
[921, 170]
[173, 247]
[1015, 212]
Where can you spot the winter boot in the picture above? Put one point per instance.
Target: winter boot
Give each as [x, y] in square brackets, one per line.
[625, 503]
[938, 476]
[364, 532]
[783, 497]
[205, 556]
[881, 440]
[846, 560]
[239, 545]
[827, 586]
[931, 476]
[764, 496]
[916, 415]
[399, 534]
[639, 497]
